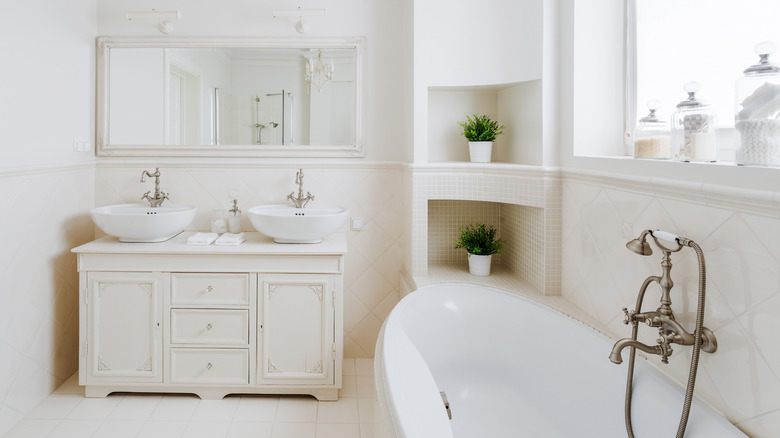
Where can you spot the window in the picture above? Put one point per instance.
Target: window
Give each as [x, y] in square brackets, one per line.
[707, 41]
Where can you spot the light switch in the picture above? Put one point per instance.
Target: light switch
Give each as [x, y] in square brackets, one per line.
[81, 146]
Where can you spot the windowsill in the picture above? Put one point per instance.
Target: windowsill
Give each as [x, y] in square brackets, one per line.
[749, 188]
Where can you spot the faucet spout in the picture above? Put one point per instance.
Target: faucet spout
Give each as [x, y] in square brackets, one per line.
[300, 201]
[159, 196]
[615, 356]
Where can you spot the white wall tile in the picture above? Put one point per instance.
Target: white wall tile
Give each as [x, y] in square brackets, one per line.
[742, 254]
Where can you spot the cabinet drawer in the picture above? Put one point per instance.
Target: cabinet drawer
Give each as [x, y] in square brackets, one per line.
[210, 326]
[229, 366]
[210, 289]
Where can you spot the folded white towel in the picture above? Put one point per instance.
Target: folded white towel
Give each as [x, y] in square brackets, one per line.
[231, 239]
[202, 238]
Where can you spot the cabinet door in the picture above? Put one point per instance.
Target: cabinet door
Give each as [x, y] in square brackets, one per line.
[123, 327]
[296, 342]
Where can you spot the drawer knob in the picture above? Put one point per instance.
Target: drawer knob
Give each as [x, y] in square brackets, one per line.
[209, 327]
[209, 289]
[209, 365]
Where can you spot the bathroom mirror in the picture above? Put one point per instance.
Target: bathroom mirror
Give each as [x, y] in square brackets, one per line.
[229, 97]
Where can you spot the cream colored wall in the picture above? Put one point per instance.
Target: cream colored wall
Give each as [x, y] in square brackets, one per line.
[39, 314]
[47, 190]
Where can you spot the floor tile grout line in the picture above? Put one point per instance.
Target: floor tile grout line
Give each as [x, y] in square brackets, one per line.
[98, 424]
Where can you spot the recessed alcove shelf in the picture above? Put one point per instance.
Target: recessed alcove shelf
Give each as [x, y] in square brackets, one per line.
[522, 202]
[520, 226]
[517, 106]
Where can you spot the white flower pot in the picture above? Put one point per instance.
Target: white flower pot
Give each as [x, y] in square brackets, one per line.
[479, 265]
[480, 151]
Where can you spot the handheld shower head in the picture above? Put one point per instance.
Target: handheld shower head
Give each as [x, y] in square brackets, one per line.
[640, 245]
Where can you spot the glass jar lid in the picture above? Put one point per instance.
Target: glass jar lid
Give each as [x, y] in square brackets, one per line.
[652, 105]
[691, 88]
[763, 50]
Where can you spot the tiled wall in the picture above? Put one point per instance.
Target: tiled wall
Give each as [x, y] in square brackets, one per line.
[523, 202]
[740, 236]
[519, 226]
[45, 215]
[446, 217]
[373, 192]
[523, 228]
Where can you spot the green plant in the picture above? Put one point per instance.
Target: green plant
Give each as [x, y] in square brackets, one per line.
[481, 128]
[479, 239]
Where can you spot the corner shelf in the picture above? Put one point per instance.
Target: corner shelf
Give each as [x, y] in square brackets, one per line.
[517, 106]
[501, 277]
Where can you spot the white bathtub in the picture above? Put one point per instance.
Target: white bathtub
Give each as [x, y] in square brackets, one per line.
[511, 367]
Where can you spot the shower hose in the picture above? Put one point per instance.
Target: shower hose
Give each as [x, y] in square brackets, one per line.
[697, 334]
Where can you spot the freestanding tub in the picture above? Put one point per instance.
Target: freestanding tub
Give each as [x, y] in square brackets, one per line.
[511, 367]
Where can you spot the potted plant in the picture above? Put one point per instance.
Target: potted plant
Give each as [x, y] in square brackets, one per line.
[480, 131]
[480, 243]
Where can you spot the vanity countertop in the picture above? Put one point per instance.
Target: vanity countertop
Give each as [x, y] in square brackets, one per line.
[255, 244]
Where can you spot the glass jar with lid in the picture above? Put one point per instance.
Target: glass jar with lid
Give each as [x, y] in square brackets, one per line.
[652, 138]
[693, 129]
[757, 111]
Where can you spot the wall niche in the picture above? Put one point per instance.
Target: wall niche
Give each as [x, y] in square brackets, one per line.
[521, 227]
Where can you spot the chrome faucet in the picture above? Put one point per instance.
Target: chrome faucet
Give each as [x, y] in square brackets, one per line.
[300, 201]
[159, 196]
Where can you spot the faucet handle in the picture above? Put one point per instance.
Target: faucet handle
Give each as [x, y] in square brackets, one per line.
[665, 342]
[630, 317]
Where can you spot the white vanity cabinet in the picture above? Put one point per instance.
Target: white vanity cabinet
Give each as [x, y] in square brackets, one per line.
[260, 317]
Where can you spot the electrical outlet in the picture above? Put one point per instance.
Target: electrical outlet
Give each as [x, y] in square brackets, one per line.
[357, 224]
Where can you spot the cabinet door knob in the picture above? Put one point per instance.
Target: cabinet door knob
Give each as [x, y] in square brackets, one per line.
[209, 289]
[209, 327]
[209, 365]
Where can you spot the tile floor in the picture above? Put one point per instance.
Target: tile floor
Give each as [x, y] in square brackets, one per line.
[67, 414]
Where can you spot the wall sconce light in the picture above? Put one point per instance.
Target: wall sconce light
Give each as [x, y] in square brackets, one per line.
[301, 26]
[166, 26]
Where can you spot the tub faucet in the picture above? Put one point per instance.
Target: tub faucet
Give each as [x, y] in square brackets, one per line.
[669, 330]
[159, 196]
[300, 201]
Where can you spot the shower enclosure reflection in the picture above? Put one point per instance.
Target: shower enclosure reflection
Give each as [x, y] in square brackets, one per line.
[257, 117]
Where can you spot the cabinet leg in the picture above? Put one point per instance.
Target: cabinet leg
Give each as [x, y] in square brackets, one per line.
[91, 391]
[211, 395]
[325, 394]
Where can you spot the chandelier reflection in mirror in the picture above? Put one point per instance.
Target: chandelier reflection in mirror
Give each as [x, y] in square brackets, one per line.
[317, 73]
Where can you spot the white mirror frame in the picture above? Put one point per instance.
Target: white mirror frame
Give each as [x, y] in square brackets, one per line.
[105, 43]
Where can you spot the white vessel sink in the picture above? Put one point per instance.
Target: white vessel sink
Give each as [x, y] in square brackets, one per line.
[287, 224]
[141, 223]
